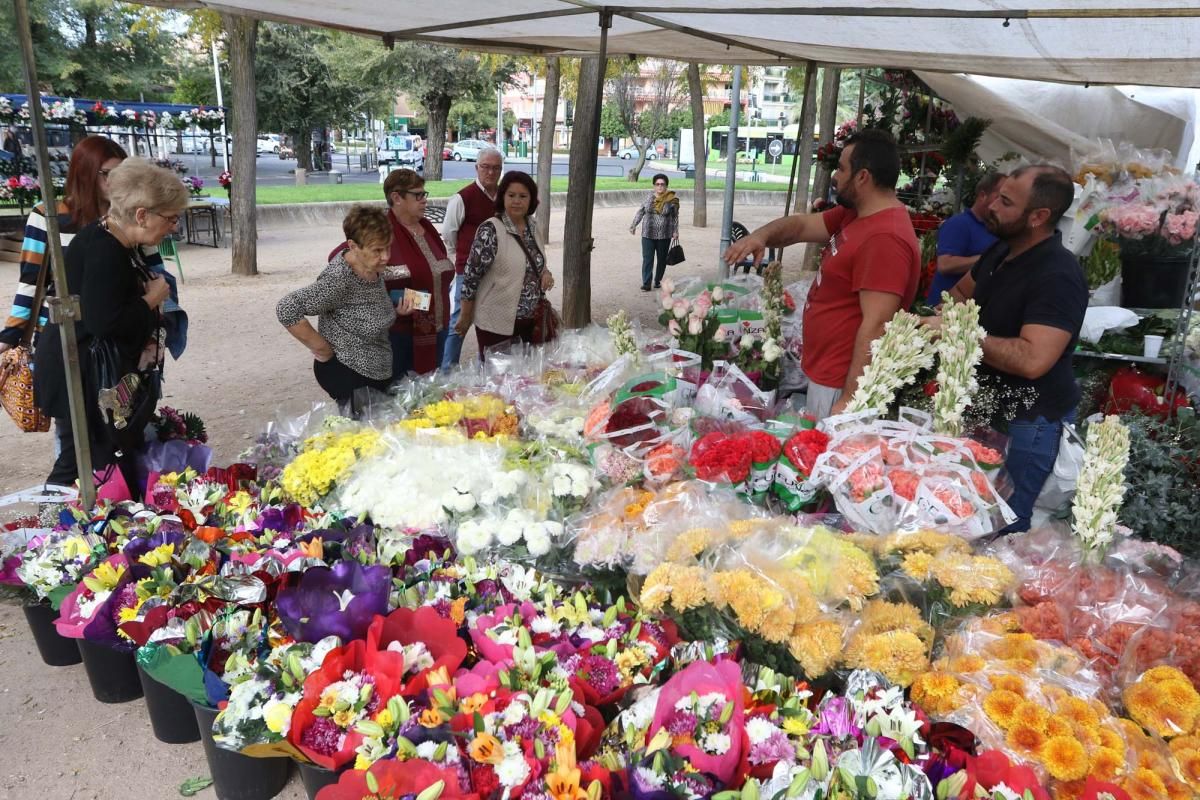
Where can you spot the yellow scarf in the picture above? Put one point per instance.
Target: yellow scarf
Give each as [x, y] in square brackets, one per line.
[665, 199]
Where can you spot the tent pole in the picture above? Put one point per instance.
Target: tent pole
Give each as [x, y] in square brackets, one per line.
[581, 185]
[64, 308]
[730, 172]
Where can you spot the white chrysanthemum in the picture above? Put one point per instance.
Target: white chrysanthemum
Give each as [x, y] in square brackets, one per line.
[759, 729]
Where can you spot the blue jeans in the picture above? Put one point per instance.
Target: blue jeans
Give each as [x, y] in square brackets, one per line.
[402, 352]
[1032, 450]
[452, 350]
[652, 248]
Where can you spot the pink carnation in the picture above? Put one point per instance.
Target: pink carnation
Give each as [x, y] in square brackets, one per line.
[1181, 227]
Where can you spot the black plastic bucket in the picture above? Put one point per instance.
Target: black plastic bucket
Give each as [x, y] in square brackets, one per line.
[317, 778]
[1148, 282]
[171, 714]
[55, 650]
[235, 776]
[112, 673]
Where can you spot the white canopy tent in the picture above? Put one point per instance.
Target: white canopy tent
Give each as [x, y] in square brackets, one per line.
[1147, 42]
[1052, 121]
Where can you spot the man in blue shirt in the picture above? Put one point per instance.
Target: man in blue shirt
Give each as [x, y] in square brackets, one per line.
[963, 238]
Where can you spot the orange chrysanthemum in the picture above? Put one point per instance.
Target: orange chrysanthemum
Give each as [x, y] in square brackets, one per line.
[1013, 683]
[1000, 705]
[1190, 742]
[1057, 725]
[936, 692]
[1078, 710]
[1068, 790]
[1031, 714]
[967, 664]
[1111, 739]
[1064, 758]
[1189, 767]
[1107, 764]
[1151, 780]
[1162, 673]
[1025, 739]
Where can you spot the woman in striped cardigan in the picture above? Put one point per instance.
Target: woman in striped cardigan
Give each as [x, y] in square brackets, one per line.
[84, 201]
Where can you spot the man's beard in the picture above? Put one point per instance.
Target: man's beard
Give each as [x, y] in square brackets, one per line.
[843, 200]
[1007, 232]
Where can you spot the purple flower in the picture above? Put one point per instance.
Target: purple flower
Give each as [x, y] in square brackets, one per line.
[775, 747]
[837, 719]
[681, 723]
[427, 546]
[322, 736]
[339, 601]
[600, 673]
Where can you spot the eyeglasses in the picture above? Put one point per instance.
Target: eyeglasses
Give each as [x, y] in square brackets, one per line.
[417, 195]
[173, 218]
[659, 183]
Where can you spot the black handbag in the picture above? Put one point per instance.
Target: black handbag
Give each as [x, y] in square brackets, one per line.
[126, 400]
[675, 255]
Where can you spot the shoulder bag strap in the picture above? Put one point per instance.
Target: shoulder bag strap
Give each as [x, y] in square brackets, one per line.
[39, 295]
[528, 255]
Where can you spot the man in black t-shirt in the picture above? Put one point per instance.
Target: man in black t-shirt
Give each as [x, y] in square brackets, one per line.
[1032, 297]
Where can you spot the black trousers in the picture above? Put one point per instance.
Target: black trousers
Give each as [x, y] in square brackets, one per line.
[65, 471]
[343, 384]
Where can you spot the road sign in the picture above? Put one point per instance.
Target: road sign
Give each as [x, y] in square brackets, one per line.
[775, 149]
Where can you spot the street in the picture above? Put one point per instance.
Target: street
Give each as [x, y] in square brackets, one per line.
[273, 171]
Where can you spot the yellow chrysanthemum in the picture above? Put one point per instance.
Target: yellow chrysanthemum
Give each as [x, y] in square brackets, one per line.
[688, 588]
[971, 579]
[1107, 764]
[817, 646]
[1013, 683]
[1058, 725]
[880, 616]
[926, 541]
[1000, 705]
[917, 565]
[656, 589]
[1064, 758]
[1025, 739]
[691, 543]
[900, 656]
[936, 692]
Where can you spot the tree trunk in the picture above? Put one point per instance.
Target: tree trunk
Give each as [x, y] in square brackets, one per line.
[699, 149]
[827, 120]
[243, 35]
[581, 184]
[302, 144]
[545, 170]
[808, 119]
[438, 109]
[633, 174]
[212, 147]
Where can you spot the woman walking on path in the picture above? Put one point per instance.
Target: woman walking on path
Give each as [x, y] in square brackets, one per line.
[659, 216]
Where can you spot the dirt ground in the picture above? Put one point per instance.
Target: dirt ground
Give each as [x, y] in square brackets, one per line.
[241, 368]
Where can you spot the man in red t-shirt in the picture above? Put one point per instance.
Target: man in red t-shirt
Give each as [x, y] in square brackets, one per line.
[869, 268]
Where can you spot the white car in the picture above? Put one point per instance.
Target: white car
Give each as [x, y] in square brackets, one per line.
[269, 143]
[632, 152]
[201, 144]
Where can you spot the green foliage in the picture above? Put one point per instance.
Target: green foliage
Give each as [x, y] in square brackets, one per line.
[721, 118]
[1162, 500]
[611, 126]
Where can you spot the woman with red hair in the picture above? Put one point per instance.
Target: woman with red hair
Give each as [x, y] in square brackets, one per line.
[84, 200]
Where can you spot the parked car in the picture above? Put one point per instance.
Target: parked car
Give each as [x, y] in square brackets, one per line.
[632, 152]
[402, 150]
[468, 149]
[269, 143]
[201, 144]
[446, 153]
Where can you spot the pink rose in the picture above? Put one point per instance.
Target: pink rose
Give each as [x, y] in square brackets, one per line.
[673, 328]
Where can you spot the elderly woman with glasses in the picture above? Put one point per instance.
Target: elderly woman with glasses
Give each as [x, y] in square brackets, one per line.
[121, 302]
[659, 215]
[418, 276]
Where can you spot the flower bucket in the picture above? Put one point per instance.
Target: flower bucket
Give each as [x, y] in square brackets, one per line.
[112, 673]
[170, 717]
[235, 776]
[55, 650]
[1152, 282]
[316, 778]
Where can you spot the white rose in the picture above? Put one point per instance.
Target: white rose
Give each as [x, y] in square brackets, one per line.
[747, 342]
[667, 301]
[695, 325]
[718, 294]
[771, 351]
[668, 286]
